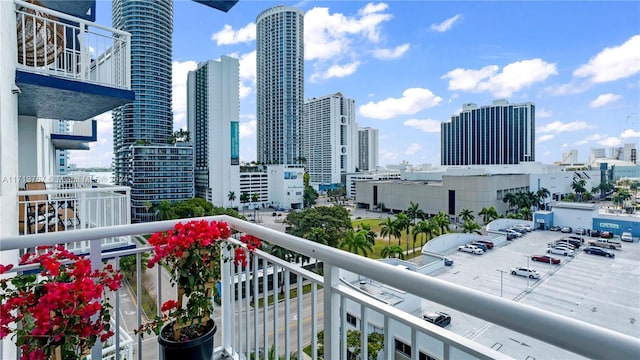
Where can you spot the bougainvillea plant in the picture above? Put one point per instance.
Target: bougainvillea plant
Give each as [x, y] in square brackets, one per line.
[62, 309]
[192, 253]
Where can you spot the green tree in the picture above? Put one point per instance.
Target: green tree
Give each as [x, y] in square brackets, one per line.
[442, 220]
[414, 212]
[165, 211]
[509, 198]
[403, 223]
[471, 227]
[466, 215]
[620, 197]
[389, 228]
[375, 343]
[392, 251]
[370, 234]
[244, 198]
[578, 186]
[541, 195]
[232, 197]
[488, 214]
[195, 207]
[333, 220]
[356, 242]
[525, 213]
[254, 199]
[426, 229]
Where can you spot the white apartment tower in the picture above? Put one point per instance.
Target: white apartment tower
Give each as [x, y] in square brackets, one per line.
[279, 85]
[213, 111]
[367, 149]
[330, 139]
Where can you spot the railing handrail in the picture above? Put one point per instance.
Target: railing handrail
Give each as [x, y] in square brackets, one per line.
[74, 190]
[61, 15]
[584, 338]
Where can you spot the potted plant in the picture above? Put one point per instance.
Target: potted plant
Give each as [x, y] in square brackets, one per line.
[192, 253]
[60, 312]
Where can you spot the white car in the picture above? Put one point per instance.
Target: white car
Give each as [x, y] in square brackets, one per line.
[626, 236]
[526, 272]
[523, 226]
[561, 251]
[471, 249]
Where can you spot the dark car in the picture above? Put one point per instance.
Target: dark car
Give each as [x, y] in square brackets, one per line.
[480, 245]
[566, 229]
[439, 318]
[575, 242]
[545, 259]
[594, 250]
[488, 243]
[581, 231]
[595, 233]
[555, 228]
[448, 261]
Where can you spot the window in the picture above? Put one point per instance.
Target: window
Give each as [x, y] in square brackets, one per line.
[351, 319]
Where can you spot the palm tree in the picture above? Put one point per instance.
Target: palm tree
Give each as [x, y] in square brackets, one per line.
[578, 187]
[619, 197]
[389, 228]
[509, 198]
[370, 234]
[392, 251]
[380, 206]
[488, 214]
[356, 242]
[427, 229]
[404, 223]
[165, 211]
[414, 212]
[244, 198]
[541, 195]
[525, 213]
[442, 221]
[466, 215]
[471, 227]
[254, 199]
[232, 197]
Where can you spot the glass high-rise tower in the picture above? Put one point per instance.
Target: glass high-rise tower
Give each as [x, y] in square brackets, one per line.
[280, 85]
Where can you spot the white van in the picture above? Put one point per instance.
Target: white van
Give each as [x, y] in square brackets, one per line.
[626, 236]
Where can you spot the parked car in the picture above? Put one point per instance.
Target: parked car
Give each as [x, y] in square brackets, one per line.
[581, 231]
[564, 247]
[510, 234]
[566, 229]
[527, 227]
[480, 245]
[606, 234]
[606, 243]
[576, 243]
[516, 233]
[578, 238]
[437, 317]
[546, 259]
[471, 249]
[448, 261]
[560, 251]
[626, 236]
[595, 233]
[594, 250]
[526, 272]
[517, 229]
[555, 228]
[488, 243]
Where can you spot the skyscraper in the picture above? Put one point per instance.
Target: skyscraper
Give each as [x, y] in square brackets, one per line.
[367, 149]
[496, 134]
[213, 111]
[144, 157]
[280, 85]
[330, 139]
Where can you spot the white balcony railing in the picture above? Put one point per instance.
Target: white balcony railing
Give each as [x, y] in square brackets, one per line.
[53, 43]
[310, 303]
[73, 205]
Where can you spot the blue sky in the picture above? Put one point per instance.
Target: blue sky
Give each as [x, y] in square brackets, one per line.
[410, 65]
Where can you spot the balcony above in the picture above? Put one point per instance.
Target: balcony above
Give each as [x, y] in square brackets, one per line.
[69, 68]
[77, 139]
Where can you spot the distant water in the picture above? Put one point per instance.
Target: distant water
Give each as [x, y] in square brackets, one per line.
[102, 177]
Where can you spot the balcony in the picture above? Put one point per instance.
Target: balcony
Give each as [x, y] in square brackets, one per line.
[337, 300]
[80, 134]
[67, 67]
[71, 204]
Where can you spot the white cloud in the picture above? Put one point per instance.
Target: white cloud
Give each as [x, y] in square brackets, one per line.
[337, 71]
[427, 125]
[513, 77]
[388, 157]
[412, 101]
[610, 141]
[412, 149]
[544, 138]
[179, 97]
[543, 113]
[247, 73]
[604, 100]
[559, 127]
[613, 63]
[248, 129]
[227, 36]
[629, 134]
[390, 54]
[447, 24]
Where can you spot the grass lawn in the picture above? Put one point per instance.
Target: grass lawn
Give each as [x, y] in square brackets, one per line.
[382, 242]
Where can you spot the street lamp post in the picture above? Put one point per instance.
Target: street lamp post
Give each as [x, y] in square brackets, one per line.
[501, 273]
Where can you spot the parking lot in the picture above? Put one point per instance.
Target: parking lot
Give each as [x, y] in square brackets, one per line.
[596, 289]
